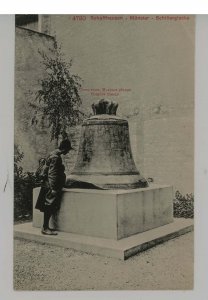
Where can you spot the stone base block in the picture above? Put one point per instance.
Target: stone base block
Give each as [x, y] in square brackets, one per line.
[113, 214]
[121, 249]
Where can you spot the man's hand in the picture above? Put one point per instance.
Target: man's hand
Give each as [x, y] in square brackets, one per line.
[53, 192]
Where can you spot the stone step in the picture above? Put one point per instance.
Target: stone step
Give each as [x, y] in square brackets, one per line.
[121, 249]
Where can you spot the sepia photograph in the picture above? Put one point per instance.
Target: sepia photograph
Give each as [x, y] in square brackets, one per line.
[104, 152]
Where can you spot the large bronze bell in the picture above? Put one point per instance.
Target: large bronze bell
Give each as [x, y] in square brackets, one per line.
[104, 158]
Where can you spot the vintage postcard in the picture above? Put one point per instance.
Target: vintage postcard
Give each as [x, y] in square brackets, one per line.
[104, 152]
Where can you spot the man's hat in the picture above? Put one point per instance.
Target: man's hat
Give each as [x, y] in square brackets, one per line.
[65, 144]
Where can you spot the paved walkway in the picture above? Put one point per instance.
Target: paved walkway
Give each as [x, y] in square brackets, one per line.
[43, 267]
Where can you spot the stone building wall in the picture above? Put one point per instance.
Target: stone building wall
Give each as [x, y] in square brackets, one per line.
[34, 142]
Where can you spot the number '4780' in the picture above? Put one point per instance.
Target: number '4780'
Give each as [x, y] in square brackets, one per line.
[79, 18]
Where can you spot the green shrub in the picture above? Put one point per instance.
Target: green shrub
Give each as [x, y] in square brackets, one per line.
[183, 206]
[24, 182]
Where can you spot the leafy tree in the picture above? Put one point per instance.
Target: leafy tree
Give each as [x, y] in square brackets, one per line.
[57, 101]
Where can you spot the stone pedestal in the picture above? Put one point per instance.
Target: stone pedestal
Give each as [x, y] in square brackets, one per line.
[111, 214]
[115, 223]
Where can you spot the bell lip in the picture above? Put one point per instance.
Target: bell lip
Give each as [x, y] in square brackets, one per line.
[77, 173]
[110, 181]
[106, 186]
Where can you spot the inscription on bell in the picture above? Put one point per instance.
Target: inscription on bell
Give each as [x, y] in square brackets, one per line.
[104, 157]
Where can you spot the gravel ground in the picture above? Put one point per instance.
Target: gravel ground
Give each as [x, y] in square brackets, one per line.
[43, 267]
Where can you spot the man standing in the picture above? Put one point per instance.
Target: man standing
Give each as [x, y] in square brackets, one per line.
[49, 198]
